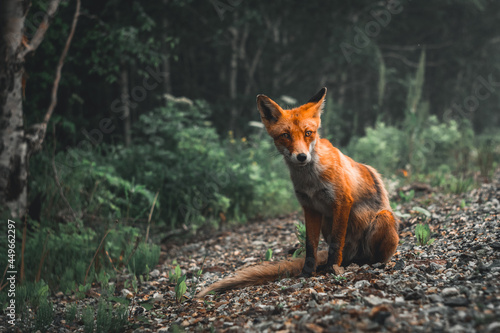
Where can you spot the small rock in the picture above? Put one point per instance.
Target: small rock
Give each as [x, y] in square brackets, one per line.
[456, 301]
[154, 273]
[400, 265]
[436, 309]
[412, 295]
[433, 267]
[375, 300]
[447, 292]
[399, 300]
[266, 307]
[157, 297]
[127, 294]
[361, 284]
[312, 304]
[435, 298]
[432, 290]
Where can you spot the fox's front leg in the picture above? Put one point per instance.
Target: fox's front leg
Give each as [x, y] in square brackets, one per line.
[334, 232]
[313, 227]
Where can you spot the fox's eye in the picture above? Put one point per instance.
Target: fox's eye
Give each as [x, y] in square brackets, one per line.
[286, 135]
[308, 133]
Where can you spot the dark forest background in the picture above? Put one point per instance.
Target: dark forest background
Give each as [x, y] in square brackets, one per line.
[156, 133]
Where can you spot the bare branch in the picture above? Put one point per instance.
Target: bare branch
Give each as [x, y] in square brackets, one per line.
[53, 97]
[42, 28]
[41, 129]
[150, 215]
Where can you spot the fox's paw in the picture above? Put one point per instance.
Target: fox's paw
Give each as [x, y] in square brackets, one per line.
[324, 269]
[305, 274]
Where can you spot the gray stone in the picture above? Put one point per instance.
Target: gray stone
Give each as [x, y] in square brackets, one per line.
[447, 292]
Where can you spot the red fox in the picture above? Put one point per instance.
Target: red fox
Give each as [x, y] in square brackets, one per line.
[344, 200]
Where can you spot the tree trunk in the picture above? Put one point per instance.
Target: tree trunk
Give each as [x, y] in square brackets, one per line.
[13, 146]
[233, 76]
[125, 97]
[167, 83]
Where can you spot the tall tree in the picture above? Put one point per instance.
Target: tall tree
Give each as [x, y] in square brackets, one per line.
[14, 141]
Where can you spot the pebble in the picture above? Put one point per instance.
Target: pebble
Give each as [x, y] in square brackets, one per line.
[449, 292]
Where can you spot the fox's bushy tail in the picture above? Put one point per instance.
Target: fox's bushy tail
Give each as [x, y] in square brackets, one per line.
[260, 274]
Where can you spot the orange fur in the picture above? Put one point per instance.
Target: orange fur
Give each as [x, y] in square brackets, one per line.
[260, 274]
[343, 200]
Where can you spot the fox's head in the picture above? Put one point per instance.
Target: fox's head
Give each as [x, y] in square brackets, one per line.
[295, 131]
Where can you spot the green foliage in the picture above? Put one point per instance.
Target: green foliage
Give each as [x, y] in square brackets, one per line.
[92, 186]
[434, 145]
[144, 259]
[423, 234]
[65, 254]
[415, 85]
[180, 288]
[463, 204]
[175, 276]
[488, 153]
[88, 320]
[71, 313]
[109, 319]
[339, 278]
[407, 197]
[32, 304]
[269, 255]
[201, 178]
[31, 294]
[44, 315]
[300, 232]
[381, 147]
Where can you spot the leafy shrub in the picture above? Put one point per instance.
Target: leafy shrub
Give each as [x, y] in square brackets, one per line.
[44, 315]
[202, 178]
[33, 307]
[71, 313]
[387, 148]
[144, 259]
[381, 147]
[90, 184]
[88, 319]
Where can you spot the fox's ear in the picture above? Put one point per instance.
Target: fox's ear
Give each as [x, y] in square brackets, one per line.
[269, 110]
[319, 101]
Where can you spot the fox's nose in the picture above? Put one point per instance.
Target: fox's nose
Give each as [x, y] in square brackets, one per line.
[301, 157]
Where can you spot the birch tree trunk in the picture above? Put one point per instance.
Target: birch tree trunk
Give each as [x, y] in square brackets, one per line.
[13, 146]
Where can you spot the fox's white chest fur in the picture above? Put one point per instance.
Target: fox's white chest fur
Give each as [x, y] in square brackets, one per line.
[310, 189]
